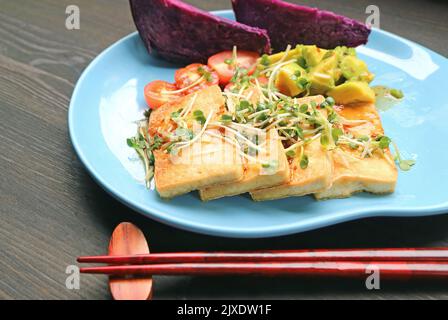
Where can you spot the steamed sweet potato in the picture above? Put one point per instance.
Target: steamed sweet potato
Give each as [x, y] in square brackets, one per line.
[182, 33]
[293, 24]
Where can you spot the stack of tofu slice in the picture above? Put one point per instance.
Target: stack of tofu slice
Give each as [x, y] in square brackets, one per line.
[214, 165]
[193, 168]
[211, 163]
[255, 176]
[340, 172]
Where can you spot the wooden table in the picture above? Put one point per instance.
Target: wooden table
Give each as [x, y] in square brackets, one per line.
[52, 211]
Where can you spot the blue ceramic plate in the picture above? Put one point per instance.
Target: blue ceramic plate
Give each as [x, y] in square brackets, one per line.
[108, 99]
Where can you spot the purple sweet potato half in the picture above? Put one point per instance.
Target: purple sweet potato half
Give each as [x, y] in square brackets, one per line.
[289, 23]
[182, 33]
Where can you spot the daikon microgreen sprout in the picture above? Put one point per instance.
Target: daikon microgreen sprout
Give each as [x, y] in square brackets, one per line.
[397, 94]
[403, 164]
[265, 61]
[199, 116]
[304, 161]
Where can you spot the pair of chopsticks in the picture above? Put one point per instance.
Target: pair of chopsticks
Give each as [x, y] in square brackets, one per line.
[391, 263]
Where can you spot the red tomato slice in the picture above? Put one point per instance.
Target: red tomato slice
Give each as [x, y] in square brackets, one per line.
[190, 77]
[229, 87]
[262, 80]
[245, 59]
[158, 93]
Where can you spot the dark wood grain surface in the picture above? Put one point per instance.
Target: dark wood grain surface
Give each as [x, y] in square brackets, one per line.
[52, 211]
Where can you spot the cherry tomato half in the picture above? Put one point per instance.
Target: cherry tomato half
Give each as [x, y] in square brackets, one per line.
[245, 60]
[160, 92]
[195, 76]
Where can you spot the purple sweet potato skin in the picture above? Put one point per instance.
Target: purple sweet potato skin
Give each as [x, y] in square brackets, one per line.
[182, 33]
[293, 24]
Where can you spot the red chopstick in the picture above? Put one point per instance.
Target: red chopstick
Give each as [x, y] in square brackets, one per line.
[388, 270]
[396, 255]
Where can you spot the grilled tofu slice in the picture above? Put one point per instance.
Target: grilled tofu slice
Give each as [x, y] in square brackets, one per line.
[314, 178]
[352, 174]
[256, 175]
[207, 160]
[196, 168]
[208, 100]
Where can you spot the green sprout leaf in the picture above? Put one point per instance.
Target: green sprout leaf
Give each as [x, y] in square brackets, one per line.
[205, 73]
[183, 134]
[397, 94]
[403, 164]
[336, 133]
[384, 142]
[199, 116]
[226, 118]
[324, 140]
[244, 104]
[131, 142]
[265, 61]
[303, 108]
[364, 138]
[406, 165]
[304, 161]
[299, 132]
[175, 115]
[302, 83]
[156, 143]
[301, 62]
[290, 153]
[331, 102]
[332, 116]
[262, 117]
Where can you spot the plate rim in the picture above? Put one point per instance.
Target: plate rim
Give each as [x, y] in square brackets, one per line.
[258, 232]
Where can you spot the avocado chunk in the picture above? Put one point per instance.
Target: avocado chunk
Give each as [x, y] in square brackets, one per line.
[296, 52]
[320, 82]
[287, 79]
[312, 70]
[355, 69]
[313, 55]
[324, 75]
[351, 92]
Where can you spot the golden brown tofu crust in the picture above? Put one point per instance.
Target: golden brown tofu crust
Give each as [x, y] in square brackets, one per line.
[190, 170]
[253, 177]
[375, 174]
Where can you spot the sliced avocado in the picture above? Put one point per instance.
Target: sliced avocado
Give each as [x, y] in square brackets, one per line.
[329, 65]
[293, 53]
[320, 82]
[354, 68]
[286, 81]
[324, 75]
[351, 92]
[313, 55]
